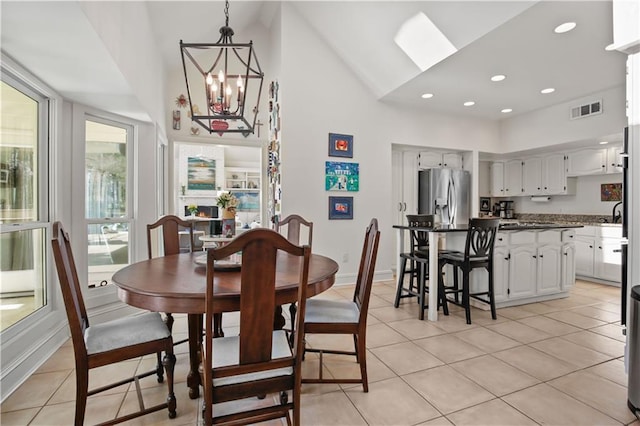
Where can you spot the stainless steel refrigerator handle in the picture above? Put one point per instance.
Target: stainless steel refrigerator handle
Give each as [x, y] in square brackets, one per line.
[451, 201]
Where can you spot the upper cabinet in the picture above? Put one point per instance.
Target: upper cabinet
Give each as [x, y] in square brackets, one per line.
[432, 160]
[497, 179]
[545, 176]
[513, 178]
[587, 162]
[614, 159]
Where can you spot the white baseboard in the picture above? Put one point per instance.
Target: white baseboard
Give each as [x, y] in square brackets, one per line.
[348, 279]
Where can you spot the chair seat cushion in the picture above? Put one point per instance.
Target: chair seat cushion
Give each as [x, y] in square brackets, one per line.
[458, 257]
[331, 311]
[125, 332]
[226, 352]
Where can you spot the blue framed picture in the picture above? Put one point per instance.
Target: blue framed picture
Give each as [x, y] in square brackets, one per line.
[340, 176]
[340, 208]
[340, 145]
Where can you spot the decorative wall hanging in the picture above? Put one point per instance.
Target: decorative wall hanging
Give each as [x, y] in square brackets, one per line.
[181, 101]
[274, 203]
[342, 176]
[611, 192]
[340, 208]
[340, 145]
[176, 119]
[485, 204]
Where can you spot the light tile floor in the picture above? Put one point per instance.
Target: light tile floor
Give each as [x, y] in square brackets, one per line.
[556, 362]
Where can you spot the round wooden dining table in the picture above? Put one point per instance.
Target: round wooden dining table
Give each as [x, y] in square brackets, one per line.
[176, 284]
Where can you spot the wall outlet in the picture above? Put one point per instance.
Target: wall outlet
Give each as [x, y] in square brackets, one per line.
[345, 258]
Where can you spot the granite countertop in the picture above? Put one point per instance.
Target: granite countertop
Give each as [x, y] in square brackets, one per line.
[522, 226]
[567, 219]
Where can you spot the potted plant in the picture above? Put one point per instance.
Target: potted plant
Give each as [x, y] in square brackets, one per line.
[193, 209]
[229, 203]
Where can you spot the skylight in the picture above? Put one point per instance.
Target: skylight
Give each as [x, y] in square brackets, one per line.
[423, 42]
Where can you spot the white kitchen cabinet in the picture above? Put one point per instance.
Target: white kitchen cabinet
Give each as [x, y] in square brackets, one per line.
[554, 178]
[585, 255]
[532, 176]
[432, 160]
[497, 179]
[241, 178]
[568, 266]
[522, 271]
[513, 178]
[549, 273]
[587, 162]
[598, 252]
[405, 185]
[608, 261]
[500, 273]
[614, 159]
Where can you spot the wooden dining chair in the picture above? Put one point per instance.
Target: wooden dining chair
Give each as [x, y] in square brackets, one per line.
[258, 361]
[169, 227]
[478, 253]
[110, 342]
[294, 224]
[347, 317]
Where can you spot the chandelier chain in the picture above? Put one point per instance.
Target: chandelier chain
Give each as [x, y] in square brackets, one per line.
[226, 12]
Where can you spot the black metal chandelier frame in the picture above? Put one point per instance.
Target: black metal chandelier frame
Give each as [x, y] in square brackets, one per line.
[222, 116]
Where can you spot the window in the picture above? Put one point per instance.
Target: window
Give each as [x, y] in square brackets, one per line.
[107, 198]
[23, 201]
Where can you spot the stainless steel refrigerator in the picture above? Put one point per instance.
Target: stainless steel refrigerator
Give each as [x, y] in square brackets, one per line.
[445, 193]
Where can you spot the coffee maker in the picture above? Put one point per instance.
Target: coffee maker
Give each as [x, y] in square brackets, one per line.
[506, 210]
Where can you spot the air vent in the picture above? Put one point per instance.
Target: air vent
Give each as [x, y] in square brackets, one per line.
[586, 110]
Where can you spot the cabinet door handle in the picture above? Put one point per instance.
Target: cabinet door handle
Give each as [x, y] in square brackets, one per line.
[399, 207]
[590, 246]
[499, 239]
[617, 250]
[541, 256]
[405, 206]
[566, 254]
[600, 247]
[534, 257]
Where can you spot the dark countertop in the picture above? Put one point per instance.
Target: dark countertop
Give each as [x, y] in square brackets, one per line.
[536, 226]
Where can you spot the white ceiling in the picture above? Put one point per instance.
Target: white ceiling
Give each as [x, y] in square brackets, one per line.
[508, 37]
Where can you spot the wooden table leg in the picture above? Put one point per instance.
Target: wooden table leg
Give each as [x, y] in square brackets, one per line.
[195, 339]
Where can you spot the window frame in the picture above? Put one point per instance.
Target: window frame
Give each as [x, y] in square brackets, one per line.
[12, 75]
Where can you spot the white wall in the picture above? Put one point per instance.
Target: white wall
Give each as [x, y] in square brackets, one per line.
[131, 44]
[551, 126]
[321, 95]
[585, 201]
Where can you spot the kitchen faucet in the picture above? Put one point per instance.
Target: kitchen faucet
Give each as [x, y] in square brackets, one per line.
[616, 217]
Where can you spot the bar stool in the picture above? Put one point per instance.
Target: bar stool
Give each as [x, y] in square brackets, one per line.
[478, 253]
[418, 256]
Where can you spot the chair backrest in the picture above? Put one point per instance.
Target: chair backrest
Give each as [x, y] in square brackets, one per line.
[367, 269]
[71, 291]
[481, 237]
[171, 226]
[420, 239]
[260, 250]
[293, 223]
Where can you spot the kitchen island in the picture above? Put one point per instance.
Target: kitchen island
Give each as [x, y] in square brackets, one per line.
[532, 261]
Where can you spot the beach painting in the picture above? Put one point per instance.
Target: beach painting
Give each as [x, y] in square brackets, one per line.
[201, 174]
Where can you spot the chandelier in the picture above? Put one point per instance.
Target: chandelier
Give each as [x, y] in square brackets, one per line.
[218, 80]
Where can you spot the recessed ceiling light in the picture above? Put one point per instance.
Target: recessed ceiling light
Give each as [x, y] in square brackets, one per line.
[427, 95]
[548, 90]
[498, 77]
[566, 27]
[506, 110]
[469, 103]
[603, 142]
[610, 47]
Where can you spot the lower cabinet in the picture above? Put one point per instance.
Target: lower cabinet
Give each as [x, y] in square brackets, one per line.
[597, 253]
[531, 264]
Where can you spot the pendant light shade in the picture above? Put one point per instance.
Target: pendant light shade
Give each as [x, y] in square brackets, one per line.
[224, 83]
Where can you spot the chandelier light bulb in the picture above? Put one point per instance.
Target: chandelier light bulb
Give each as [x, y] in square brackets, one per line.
[221, 76]
[209, 79]
[239, 82]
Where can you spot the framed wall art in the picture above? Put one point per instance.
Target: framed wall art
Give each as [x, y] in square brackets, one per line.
[340, 208]
[611, 192]
[342, 176]
[485, 204]
[340, 145]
